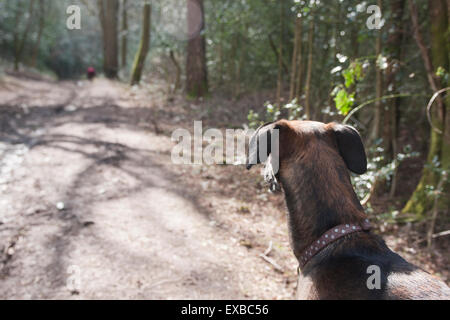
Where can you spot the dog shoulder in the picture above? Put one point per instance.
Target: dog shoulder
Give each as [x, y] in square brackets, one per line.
[417, 285]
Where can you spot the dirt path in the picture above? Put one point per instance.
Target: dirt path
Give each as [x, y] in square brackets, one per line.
[91, 206]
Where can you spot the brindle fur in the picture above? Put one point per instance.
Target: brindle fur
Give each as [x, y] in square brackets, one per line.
[314, 163]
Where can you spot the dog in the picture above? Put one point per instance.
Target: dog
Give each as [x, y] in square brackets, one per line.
[339, 256]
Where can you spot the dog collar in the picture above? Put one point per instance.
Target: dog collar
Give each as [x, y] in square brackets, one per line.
[329, 237]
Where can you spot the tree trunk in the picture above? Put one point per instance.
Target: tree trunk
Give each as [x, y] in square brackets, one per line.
[309, 72]
[441, 53]
[299, 80]
[394, 47]
[280, 57]
[295, 57]
[238, 61]
[39, 36]
[337, 25]
[378, 87]
[336, 29]
[124, 34]
[423, 49]
[277, 54]
[240, 64]
[196, 71]
[220, 49]
[16, 38]
[178, 71]
[324, 85]
[421, 202]
[385, 125]
[19, 44]
[108, 11]
[232, 63]
[144, 45]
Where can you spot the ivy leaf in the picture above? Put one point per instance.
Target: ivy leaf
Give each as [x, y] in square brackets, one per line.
[440, 72]
[344, 101]
[353, 73]
[349, 78]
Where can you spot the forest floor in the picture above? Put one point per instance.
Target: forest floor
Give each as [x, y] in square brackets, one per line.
[93, 208]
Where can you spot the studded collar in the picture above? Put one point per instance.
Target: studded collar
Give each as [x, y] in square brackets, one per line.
[329, 237]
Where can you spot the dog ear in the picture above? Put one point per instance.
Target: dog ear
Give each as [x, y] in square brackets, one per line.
[264, 147]
[260, 147]
[351, 148]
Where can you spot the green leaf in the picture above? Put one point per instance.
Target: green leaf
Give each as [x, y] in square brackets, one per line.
[349, 77]
[344, 101]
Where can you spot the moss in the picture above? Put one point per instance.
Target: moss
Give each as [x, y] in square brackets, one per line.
[444, 201]
[141, 54]
[198, 91]
[420, 202]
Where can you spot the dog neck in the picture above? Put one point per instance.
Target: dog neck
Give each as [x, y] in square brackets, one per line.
[319, 196]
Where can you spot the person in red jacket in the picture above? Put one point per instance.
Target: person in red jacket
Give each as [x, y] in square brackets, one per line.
[91, 73]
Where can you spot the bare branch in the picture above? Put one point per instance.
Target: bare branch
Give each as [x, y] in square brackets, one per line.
[430, 104]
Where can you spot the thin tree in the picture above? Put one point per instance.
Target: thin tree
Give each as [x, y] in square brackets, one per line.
[310, 66]
[420, 202]
[395, 50]
[295, 56]
[196, 71]
[39, 35]
[144, 46]
[124, 34]
[178, 71]
[378, 85]
[19, 41]
[280, 57]
[385, 125]
[299, 80]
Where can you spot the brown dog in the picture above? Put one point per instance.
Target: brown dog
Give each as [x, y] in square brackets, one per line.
[314, 159]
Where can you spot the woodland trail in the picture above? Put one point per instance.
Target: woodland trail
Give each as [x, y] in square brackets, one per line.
[92, 208]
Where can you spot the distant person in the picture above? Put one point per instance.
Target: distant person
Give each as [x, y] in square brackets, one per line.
[91, 73]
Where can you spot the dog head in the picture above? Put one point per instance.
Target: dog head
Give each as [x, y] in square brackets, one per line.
[284, 145]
